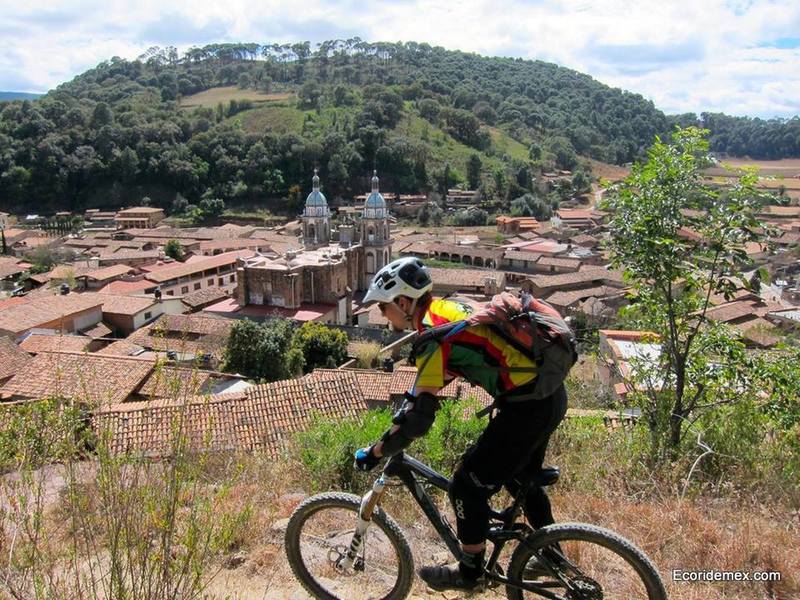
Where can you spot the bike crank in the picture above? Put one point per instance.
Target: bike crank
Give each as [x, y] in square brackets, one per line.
[584, 588]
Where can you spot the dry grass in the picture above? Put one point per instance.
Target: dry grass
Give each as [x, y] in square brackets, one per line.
[786, 166]
[608, 171]
[367, 354]
[700, 534]
[210, 98]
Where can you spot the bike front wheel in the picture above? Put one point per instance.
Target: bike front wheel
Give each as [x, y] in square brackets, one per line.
[317, 537]
[575, 561]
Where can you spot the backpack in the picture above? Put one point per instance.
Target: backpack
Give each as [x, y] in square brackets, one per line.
[532, 326]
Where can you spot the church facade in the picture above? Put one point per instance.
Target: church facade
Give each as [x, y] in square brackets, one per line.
[333, 263]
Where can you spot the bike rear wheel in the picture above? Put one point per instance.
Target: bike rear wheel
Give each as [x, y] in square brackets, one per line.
[576, 561]
[318, 534]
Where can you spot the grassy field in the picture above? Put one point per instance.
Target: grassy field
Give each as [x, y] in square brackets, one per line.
[608, 171]
[504, 144]
[275, 119]
[210, 98]
[788, 167]
[444, 148]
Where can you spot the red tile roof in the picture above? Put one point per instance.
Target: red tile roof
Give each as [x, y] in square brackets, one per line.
[196, 333]
[264, 417]
[306, 311]
[126, 305]
[732, 311]
[87, 377]
[201, 298]
[42, 342]
[175, 383]
[465, 277]
[10, 267]
[211, 262]
[585, 276]
[121, 348]
[100, 330]
[12, 357]
[127, 287]
[109, 272]
[38, 311]
[627, 335]
[140, 209]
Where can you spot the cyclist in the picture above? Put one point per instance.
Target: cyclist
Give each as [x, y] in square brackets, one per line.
[508, 451]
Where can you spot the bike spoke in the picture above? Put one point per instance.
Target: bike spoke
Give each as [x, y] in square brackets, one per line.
[323, 541]
[590, 572]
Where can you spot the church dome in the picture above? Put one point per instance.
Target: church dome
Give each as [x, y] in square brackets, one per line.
[375, 206]
[316, 199]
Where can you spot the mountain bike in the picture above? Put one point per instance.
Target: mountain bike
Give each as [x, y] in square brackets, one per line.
[341, 546]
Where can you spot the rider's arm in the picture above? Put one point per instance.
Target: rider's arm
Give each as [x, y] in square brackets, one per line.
[412, 421]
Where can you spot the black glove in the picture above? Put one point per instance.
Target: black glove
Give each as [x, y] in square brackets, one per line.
[365, 459]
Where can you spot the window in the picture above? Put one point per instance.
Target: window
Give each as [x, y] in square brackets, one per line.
[211, 281]
[221, 281]
[185, 289]
[170, 293]
[233, 278]
[197, 285]
[148, 316]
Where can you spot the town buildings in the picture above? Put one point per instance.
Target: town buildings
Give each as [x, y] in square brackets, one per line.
[143, 217]
[146, 334]
[322, 275]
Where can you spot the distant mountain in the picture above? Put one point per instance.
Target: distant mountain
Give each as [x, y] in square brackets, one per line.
[248, 123]
[18, 96]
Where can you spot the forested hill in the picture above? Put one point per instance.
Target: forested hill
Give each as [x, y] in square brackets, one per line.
[17, 96]
[250, 121]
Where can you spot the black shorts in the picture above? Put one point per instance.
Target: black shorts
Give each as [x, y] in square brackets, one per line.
[510, 449]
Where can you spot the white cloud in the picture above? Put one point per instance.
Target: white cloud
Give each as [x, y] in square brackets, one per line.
[736, 56]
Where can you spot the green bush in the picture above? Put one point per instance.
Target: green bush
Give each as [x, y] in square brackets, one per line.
[325, 449]
[319, 345]
[592, 458]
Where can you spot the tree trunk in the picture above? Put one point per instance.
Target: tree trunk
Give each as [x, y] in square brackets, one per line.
[678, 413]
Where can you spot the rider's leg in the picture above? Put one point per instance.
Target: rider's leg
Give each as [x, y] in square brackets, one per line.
[537, 504]
[500, 452]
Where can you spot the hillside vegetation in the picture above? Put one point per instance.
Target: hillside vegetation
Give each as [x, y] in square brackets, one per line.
[246, 122]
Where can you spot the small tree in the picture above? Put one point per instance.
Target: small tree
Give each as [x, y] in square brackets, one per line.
[474, 167]
[173, 249]
[430, 213]
[674, 275]
[529, 205]
[262, 351]
[319, 345]
[212, 207]
[470, 218]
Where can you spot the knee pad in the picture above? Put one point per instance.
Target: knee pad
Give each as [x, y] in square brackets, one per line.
[466, 486]
[471, 507]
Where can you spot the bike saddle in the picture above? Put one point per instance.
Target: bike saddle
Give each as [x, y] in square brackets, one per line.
[547, 476]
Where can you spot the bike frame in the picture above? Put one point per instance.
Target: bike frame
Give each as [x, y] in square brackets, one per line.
[414, 475]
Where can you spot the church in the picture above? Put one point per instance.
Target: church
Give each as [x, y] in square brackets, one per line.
[317, 282]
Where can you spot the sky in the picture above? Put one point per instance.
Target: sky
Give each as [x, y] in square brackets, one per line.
[741, 57]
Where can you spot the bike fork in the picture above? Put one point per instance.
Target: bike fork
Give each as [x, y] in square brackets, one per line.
[368, 503]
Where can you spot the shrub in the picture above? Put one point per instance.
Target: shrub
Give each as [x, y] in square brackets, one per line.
[326, 448]
[367, 354]
[319, 345]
